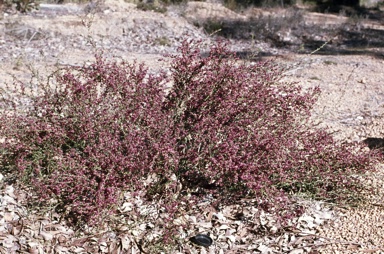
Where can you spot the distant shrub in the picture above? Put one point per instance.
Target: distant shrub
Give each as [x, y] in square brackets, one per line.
[151, 7]
[226, 128]
[20, 5]
[236, 4]
[260, 27]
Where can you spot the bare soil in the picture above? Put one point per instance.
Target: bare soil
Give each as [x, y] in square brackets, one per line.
[343, 56]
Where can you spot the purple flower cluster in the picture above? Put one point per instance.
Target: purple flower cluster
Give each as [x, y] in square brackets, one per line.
[226, 127]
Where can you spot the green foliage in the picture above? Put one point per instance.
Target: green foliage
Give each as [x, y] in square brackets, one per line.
[151, 7]
[22, 5]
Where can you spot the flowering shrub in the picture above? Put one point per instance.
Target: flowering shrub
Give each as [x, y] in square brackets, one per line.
[241, 130]
[99, 131]
[225, 127]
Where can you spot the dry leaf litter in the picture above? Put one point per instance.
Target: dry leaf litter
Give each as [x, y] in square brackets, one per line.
[235, 229]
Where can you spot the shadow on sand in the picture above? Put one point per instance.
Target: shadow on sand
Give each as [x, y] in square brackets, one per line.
[361, 34]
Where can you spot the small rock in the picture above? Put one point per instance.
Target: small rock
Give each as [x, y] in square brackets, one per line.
[296, 251]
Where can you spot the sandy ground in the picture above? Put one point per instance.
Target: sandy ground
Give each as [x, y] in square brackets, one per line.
[351, 104]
